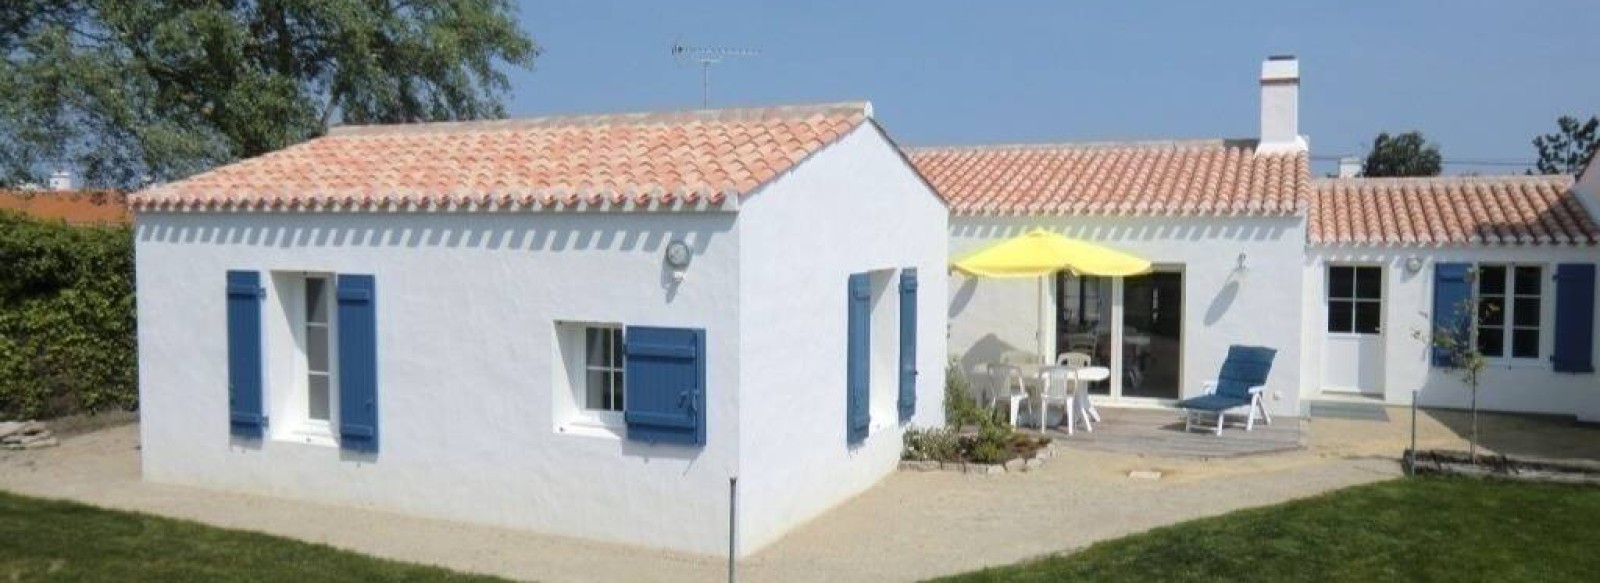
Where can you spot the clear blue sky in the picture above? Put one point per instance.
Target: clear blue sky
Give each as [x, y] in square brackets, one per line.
[1478, 78]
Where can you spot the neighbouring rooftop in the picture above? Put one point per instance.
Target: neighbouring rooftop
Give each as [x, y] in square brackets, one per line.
[77, 207]
[648, 160]
[1489, 210]
[1194, 178]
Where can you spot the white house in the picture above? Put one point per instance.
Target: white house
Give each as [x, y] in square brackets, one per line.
[1222, 220]
[1392, 260]
[575, 325]
[1335, 274]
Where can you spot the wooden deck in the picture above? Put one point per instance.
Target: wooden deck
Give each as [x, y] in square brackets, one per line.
[1159, 432]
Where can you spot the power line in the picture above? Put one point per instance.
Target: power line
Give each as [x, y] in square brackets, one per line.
[1457, 161]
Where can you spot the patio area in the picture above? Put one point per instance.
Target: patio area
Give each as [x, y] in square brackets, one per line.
[1159, 433]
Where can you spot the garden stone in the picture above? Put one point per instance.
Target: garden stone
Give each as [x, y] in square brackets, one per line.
[34, 438]
[41, 444]
[13, 428]
[1016, 465]
[985, 469]
[919, 465]
[1033, 464]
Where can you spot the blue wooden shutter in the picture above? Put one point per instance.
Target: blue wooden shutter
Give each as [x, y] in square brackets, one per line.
[857, 399]
[1452, 288]
[358, 363]
[246, 416]
[1574, 318]
[908, 344]
[664, 384]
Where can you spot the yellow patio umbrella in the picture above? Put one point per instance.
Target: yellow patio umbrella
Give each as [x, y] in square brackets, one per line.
[1040, 253]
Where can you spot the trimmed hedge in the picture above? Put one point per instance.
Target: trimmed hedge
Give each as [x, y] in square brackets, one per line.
[67, 322]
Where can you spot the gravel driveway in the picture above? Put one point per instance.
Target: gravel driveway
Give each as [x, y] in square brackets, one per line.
[912, 526]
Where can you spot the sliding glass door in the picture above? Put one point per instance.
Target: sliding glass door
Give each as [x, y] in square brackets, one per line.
[1133, 325]
[1084, 320]
[1152, 335]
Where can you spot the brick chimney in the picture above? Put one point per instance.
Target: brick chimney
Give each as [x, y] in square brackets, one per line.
[1280, 106]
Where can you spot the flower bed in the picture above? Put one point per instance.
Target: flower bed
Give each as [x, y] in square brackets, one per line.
[990, 448]
[1505, 468]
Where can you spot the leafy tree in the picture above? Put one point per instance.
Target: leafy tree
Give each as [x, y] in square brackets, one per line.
[122, 89]
[1407, 154]
[1566, 151]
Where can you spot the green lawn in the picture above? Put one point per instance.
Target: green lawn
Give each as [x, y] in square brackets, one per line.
[1429, 529]
[1426, 529]
[59, 541]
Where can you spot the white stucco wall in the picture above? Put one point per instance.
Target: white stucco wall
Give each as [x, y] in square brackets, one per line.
[1221, 305]
[466, 307]
[1530, 387]
[855, 206]
[1587, 187]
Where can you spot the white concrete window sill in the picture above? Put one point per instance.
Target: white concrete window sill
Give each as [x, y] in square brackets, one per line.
[1518, 364]
[607, 428]
[318, 433]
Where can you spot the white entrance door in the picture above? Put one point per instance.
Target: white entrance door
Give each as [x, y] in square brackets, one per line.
[1352, 351]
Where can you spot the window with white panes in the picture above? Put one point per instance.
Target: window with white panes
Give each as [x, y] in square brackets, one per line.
[318, 350]
[603, 368]
[1510, 310]
[1355, 299]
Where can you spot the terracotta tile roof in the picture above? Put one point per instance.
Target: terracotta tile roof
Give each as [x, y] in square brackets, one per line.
[1490, 210]
[688, 159]
[78, 207]
[1202, 177]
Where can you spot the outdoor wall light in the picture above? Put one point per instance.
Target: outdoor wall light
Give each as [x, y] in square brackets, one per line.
[1242, 266]
[678, 257]
[1413, 264]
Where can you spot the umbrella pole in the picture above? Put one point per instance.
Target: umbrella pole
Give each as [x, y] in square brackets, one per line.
[1040, 304]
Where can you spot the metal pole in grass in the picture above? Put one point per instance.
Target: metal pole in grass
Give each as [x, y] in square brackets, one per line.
[1411, 454]
[733, 525]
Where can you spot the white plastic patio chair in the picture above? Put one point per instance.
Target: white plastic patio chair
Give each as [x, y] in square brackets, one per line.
[1081, 360]
[1059, 387]
[1084, 342]
[1018, 357]
[1005, 383]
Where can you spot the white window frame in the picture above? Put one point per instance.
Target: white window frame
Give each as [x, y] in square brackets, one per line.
[288, 362]
[326, 327]
[574, 417]
[613, 336]
[1508, 325]
[1354, 298]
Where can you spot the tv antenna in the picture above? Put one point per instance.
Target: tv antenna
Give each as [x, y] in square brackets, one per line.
[707, 56]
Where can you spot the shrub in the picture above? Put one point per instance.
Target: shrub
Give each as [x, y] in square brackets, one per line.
[959, 407]
[931, 444]
[992, 444]
[67, 323]
[988, 453]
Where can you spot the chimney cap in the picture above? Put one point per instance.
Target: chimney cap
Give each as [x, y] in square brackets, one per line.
[1280, 70]
[1283, 57]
